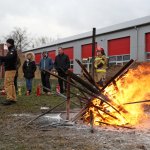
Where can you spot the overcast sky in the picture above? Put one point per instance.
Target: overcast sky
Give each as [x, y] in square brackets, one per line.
[62, 18]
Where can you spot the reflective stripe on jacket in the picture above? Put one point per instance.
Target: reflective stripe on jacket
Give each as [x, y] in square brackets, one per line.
[101, 70]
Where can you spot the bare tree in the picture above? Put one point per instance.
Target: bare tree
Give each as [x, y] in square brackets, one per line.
[41, 41]
[21, 38]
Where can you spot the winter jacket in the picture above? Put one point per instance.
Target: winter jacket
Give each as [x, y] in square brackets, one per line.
[62, 63]
[29, 68]
[46, 64]
[100, 63]
[10, 60]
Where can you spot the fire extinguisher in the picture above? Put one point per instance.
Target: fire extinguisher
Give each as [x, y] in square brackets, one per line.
[57, 88]
[38, 90]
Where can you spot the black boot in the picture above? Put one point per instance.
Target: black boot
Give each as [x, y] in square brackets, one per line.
[8, 102]
[29, 92]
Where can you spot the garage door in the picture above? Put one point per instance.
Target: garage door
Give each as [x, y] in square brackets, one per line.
[37, 58]
[52, 54]
[147, 40]
[119, 46]
[69, 52]
[119, 50]
[87, 51]
[147, 45]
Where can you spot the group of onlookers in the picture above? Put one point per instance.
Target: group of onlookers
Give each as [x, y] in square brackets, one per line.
[12, 63]
[61, 64]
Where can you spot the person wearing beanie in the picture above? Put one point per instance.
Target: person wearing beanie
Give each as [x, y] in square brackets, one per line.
[10, 61]
[10, 41]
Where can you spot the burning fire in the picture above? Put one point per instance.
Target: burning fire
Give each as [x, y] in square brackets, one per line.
[132, 87]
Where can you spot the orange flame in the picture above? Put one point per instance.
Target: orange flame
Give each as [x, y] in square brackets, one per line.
[133, 86]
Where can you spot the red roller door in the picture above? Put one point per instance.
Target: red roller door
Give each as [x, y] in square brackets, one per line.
[37, 58]
[119, 46]
[69, 52]
[87, 50]
[52, 54]
[147, 40]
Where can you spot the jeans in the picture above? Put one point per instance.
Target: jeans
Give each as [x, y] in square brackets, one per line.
[29, 84]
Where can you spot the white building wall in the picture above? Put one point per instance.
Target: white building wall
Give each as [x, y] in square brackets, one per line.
[137, 43]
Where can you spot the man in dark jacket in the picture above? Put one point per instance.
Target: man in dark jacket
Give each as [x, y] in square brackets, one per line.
[62, 64]
[10, 70]
[46, 63]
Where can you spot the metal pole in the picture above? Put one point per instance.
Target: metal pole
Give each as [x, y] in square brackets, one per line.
[68, 98]
[93, 51]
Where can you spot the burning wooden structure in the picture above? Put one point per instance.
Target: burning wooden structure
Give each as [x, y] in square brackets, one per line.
[111, 104]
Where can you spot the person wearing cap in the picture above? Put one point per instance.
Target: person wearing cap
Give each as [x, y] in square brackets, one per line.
[10, 61]
[100, 64]
[46, 63]
[29, 68]
[62, 64]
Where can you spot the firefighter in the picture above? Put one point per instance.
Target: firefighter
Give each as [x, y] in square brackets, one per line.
[100, 65]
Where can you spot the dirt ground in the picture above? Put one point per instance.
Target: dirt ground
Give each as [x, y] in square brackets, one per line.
[15, 136]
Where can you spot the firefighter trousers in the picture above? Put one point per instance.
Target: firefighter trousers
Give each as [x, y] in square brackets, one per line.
[9, 85]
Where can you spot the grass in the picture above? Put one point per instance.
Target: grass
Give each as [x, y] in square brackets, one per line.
[13, 133]
[33, 103]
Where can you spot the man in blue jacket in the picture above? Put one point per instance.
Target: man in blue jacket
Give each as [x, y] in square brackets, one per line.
[46, 63]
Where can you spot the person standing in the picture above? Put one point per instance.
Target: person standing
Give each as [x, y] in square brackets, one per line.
[100, 64]
[46, 63]
[10, 61]
[29, 68]
[62, 64]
